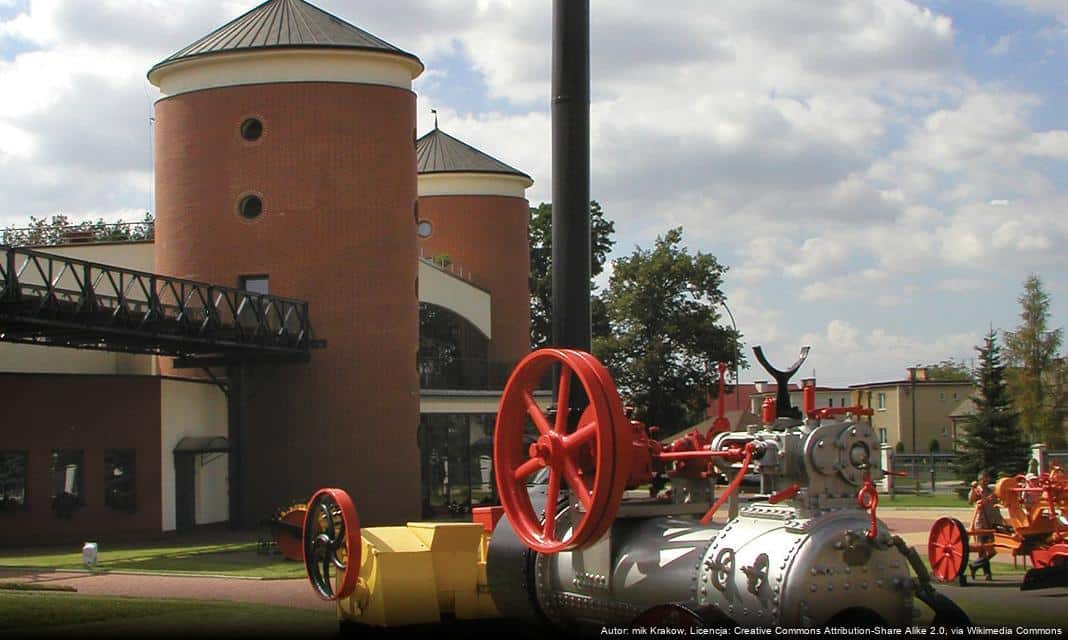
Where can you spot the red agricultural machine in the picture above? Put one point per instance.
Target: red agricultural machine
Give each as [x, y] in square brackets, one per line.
[575, 543]
[1036, 530]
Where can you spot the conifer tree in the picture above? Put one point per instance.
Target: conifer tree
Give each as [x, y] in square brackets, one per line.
[992, 440]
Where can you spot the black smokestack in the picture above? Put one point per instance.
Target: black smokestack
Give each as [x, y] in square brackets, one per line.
[571, 174]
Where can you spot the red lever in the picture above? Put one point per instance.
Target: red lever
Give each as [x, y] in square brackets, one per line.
[868, 499]
[733, 486]
[785, 494]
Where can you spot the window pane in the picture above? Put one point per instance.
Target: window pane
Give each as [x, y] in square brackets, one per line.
[256, 284]
[120, 479]
[12, 479]
[66, 472]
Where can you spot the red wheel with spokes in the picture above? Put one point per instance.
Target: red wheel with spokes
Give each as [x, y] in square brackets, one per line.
[332, 541]
[947, 549]
[591, 458]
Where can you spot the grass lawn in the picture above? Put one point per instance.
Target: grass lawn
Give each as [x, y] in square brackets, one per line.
[228, 559]
[24, 613]
[938, 500]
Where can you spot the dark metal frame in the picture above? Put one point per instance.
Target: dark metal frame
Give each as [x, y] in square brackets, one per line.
[49, 299]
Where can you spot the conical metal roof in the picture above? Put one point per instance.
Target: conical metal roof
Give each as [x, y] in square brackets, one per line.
[438, 152]
[284, 24]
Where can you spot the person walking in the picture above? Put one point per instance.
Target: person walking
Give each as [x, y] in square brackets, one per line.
[987, 516]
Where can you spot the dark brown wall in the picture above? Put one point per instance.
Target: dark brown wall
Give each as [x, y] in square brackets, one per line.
[336, 170]
[92, 413]
[487, 236]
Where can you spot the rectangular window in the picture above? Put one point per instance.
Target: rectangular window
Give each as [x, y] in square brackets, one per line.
[842, 400]
[120, 479]
[882, 401]
[246, 313]
[882, 435]
[12, 480]
[830, 402]
[66, 474]
[256, 284]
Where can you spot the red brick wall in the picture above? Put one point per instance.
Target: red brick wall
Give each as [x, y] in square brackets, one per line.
[92, 413]
[487, 236]
[336, 170]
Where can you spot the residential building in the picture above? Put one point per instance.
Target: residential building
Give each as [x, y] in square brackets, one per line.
[915, 411]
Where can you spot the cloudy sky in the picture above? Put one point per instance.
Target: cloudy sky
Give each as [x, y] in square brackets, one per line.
[879, 175]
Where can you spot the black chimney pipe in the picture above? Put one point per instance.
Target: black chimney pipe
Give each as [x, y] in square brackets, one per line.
[571, 174]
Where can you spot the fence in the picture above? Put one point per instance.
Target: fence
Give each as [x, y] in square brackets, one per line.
[934, 472]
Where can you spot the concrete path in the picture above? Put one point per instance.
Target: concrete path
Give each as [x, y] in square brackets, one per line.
[282, 593]
[912, 524]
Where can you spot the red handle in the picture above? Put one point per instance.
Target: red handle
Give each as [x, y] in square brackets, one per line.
[785, 494]
[733, 486]
[868, 499]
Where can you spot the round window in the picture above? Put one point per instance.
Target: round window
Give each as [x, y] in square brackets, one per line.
[251, 129]
[250, 207]
[425, 229]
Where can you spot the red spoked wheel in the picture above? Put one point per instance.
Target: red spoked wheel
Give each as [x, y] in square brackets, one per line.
[332, 540]
[948, 549]
[591, 459]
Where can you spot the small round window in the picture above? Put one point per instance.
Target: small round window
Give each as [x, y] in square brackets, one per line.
[424, 229]
[250, 207]
[251, 129]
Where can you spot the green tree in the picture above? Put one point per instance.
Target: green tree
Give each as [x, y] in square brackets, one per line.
[1036, 377]
[662, 307]
[45, 232]
[541, 284]
[949, 370]
[992, 438]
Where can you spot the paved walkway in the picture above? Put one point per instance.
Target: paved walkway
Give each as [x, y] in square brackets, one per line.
[911, 524]
[282, 593]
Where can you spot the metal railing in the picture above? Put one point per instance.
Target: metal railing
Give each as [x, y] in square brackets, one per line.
[462, 373]
[63, 301]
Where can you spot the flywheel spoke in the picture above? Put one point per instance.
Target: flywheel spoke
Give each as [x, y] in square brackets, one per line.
[552, 496]
[577, 484]
[523, 471]
[535, 413]
[582, 435]
[563, 400]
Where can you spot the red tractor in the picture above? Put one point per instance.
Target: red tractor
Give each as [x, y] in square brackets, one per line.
[1036, 529]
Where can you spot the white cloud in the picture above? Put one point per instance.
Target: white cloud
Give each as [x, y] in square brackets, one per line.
[833, 156]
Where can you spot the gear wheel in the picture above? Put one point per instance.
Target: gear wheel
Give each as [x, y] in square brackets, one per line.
[288, 531]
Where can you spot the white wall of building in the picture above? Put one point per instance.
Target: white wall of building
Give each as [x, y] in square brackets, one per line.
[449, 291]
[193, 409]
[467, 184]
[237, 68]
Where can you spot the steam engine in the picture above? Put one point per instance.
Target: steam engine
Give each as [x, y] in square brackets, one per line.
[580, 541]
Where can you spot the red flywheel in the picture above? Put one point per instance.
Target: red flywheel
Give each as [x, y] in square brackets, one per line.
[590, 459]
[947, 549]
[332, 544]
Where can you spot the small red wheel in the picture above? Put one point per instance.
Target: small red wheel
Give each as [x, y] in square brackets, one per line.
[948, 549]
[332, 540]
[591, 459]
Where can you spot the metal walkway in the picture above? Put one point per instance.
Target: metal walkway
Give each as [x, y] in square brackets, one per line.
[49, 299]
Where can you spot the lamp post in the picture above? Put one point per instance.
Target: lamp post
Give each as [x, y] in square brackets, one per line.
[734, 344]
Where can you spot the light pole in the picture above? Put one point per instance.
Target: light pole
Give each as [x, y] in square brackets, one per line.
[734, 344]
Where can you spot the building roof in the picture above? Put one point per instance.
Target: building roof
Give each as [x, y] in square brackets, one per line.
[438, 152]
[908, 383]
[284, 24]
[965, 409]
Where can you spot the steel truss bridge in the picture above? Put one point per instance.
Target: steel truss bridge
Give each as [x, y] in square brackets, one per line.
[56, 300]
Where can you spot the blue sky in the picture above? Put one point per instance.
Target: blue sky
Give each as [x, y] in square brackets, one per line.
[879, 175]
